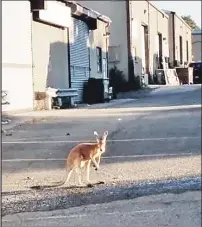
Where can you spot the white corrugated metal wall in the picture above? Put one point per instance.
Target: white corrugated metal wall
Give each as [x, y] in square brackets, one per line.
[79, 56]
[17, 55]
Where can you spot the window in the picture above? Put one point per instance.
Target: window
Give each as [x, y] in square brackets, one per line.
[99, 59]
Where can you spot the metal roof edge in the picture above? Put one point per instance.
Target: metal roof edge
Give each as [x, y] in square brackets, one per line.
[98, 15]
[160, 10]
[179, 17]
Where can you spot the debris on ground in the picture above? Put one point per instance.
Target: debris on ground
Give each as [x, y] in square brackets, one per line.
[9, 134]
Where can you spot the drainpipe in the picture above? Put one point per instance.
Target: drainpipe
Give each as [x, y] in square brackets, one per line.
[89, 54]
[128, 24]
[173, 27]
[107, 55]
[69, 60]
[148, 41]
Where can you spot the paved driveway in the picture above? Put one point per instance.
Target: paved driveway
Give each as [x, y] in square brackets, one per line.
[154, 146]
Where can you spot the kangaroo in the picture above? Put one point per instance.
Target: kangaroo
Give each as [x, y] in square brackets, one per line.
[81, 156]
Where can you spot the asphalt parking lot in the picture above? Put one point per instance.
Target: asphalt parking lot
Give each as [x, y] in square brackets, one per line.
[154, 147]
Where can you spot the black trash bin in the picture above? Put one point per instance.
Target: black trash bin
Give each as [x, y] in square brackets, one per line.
[97, 90]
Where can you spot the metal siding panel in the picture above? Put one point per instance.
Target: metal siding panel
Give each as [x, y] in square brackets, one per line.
[116, 10]
[80, 75]
[79, 56]
[17, 55]
[49, 57]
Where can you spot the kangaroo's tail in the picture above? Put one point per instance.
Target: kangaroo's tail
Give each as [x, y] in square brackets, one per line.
[55, 184]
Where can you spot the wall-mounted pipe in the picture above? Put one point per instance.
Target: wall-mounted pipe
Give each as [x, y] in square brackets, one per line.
[173, 31]
[107, 44]
[128, 25]
[68, 54]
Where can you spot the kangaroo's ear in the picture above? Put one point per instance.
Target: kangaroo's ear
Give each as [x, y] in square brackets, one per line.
[96, 135]
[105, 135]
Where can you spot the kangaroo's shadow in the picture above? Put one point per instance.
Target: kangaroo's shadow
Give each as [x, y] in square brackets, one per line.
[90, 185]
[37, 187]
[41, 187]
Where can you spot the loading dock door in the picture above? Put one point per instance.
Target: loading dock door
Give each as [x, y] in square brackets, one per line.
[143, 50]
[79, 56]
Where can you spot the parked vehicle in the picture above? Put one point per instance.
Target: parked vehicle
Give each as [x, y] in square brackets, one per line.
[197, 72]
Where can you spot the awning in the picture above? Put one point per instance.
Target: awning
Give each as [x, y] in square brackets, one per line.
[81, 11]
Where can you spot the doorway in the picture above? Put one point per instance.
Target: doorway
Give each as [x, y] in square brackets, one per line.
[160, 51]
[145, 49]
[180, 41]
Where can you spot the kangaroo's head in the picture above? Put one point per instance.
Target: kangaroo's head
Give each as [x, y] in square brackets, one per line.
[101, 141]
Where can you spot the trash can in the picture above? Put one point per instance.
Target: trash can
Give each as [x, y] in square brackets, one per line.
[97, 90]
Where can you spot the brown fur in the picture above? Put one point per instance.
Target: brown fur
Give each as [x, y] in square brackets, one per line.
[81, 156]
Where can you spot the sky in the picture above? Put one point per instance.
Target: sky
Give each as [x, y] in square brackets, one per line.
[192, 8]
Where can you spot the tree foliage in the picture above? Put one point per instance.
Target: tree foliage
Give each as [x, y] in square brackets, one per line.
[190, 22]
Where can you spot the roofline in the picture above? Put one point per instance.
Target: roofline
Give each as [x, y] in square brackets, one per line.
[179, 17]
[161, 11]
[98, 15]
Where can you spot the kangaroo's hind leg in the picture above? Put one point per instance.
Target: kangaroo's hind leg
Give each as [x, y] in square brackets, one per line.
[78, 172]
[88, 172]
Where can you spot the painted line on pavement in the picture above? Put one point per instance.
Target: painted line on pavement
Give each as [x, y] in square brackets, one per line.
[106, 157]
[86, 215]
[87, 141]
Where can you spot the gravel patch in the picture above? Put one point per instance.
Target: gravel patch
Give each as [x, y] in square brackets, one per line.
[64, 198]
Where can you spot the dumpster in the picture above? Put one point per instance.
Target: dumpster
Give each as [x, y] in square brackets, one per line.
[185, 75]
[97, 91]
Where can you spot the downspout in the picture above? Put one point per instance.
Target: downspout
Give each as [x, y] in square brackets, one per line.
[69, 60]
[148, 41]
[107, 55]
[128, 25]
[89, 54]
[173, 27]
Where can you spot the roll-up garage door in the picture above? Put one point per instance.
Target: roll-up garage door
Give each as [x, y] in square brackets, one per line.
[79, 56]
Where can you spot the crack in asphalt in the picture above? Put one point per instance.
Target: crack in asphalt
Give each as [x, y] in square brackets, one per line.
[64, 198]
